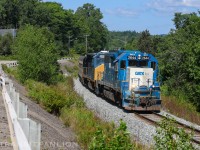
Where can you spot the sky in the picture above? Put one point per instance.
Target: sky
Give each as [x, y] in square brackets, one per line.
[137, 15]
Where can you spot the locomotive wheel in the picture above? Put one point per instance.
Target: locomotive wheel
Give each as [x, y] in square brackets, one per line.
[120, 103]
[97, 91]
[81, 80]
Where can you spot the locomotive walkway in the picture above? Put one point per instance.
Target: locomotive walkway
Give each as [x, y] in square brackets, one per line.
[5, 138]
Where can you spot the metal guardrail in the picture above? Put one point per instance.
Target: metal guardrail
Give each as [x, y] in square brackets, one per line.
[9, 64]
[27, 132]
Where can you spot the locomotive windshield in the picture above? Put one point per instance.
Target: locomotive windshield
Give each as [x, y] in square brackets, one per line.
[135, 63]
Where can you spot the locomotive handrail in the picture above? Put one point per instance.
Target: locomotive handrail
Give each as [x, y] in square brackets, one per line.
[138, 79]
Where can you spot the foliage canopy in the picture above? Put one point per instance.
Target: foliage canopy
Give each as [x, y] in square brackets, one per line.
[179, 55]
[37, 55]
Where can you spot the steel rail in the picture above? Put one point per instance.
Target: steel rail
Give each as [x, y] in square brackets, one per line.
[156, 123]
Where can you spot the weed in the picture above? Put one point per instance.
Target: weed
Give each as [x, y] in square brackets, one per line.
[169, 136]
[181, 108]
[72, 70]
[13, 71]
[120, 139]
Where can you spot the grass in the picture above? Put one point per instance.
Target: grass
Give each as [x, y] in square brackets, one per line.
[181, 109]
[72, 70]
[11, 71]
[84, 123]
[10, 57]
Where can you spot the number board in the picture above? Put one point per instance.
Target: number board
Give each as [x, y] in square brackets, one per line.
[145, 58]
[131, 57]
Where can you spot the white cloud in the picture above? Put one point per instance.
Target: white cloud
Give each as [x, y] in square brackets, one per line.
[122, 12]
[173, 5]
[191, 3]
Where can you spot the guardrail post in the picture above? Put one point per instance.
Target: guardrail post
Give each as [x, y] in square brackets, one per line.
[27, 132]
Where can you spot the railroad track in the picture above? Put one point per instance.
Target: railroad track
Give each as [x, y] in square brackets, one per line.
[155, 118]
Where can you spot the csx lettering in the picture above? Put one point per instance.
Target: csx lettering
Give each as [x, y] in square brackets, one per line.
[139, 73]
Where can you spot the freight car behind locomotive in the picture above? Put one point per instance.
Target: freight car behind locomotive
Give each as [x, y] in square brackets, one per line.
[127, 77]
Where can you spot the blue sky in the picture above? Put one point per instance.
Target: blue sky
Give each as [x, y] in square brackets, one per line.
[138, 15]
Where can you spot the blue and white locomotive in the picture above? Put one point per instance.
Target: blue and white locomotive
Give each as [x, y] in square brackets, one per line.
[127, 77]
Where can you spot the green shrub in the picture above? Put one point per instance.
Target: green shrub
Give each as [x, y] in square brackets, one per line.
[54, 97]
[8, 57]
[13, 71]
[84, 123]
[37, 54]
[5, 44]
[49, 97]
[120, 139]
[72, 70]
[170, 137]
[99, 141]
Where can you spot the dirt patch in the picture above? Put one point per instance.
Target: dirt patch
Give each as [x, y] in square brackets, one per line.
[54, 134]
[63, 64]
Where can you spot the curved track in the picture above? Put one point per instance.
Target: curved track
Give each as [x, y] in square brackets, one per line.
[155, 118]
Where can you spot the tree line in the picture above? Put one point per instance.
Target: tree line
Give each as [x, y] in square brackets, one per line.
[69, 28]
[45, 31]
[179, 56]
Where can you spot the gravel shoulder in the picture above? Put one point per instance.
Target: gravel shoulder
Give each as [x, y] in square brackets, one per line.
[54, 134]
[5, 138]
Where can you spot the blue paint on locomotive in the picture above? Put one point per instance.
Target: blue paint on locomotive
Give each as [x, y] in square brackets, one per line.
[116, 74]
[129, 74]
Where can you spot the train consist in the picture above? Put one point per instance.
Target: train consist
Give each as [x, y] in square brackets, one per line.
[127, 77]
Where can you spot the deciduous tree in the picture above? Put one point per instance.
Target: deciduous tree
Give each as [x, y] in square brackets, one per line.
[90, 19]
[5, 44]
[37, 54]
[145, 42]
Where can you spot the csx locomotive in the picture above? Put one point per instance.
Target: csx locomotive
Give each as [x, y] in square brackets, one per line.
[127, 77]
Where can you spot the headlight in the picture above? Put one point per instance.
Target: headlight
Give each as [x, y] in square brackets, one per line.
[139, 56]
[133, 86]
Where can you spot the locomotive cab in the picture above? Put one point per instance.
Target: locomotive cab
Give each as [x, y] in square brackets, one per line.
[134, 75]
[143, 92]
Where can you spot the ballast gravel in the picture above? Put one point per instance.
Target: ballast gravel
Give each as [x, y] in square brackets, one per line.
[140, 131]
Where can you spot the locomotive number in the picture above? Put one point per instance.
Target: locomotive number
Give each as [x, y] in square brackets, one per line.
[130, 57]
[145, 57]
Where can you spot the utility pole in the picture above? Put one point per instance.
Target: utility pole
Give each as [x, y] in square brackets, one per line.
[86, 43]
